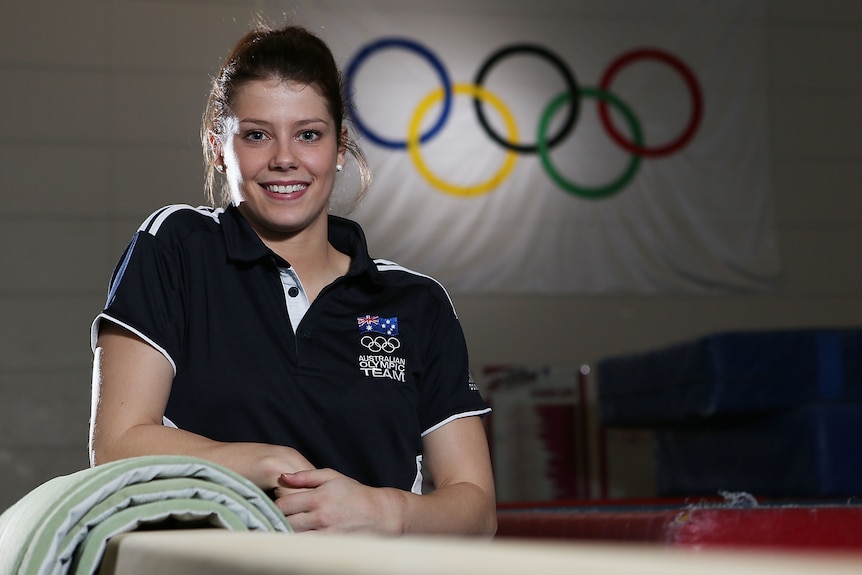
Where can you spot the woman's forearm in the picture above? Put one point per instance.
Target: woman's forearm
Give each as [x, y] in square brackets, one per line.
[460, 508]
[260, 463]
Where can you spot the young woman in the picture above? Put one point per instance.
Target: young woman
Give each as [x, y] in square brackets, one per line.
[263, 337]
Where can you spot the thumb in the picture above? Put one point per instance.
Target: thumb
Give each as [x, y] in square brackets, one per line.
[299, 480]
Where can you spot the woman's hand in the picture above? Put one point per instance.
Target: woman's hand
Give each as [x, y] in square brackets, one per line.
[325, 500]
[262, 463]
[462, 502]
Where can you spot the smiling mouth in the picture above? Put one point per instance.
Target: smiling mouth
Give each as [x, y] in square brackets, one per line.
[286, 189]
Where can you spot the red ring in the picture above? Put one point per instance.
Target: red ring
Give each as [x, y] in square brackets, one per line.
[690, 80]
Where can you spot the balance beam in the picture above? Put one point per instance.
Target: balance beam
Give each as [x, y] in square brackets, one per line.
[219, 552]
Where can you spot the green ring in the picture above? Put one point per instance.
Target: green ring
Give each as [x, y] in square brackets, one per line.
[598, 191]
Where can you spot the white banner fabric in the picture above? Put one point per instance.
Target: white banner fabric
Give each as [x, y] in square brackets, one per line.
[669, 193]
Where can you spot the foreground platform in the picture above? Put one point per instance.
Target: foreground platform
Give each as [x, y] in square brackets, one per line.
[219, 552]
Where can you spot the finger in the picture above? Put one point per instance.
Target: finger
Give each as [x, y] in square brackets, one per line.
[281, 491]
[294, 503]
[301, 522]
[304, 479]
[293, 481]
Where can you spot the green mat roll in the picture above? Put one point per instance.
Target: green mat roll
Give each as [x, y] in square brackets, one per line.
[63, 525]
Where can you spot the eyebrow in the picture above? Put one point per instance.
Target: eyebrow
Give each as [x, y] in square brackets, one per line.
[268, 123]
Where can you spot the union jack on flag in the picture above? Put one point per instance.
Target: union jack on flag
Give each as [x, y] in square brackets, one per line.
[368, 322]
[377, 324]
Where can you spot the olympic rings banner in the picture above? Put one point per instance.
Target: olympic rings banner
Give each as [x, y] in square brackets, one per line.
[559, 147]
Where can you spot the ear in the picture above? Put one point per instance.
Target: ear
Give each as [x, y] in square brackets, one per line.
[216, 146]
[343, 141]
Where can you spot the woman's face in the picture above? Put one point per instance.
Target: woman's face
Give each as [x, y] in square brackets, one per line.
[280, 152]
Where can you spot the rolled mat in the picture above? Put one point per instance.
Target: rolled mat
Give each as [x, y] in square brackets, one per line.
[63, 525]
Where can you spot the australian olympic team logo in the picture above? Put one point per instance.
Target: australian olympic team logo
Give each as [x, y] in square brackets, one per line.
[571, 99]
[380, 343]
[379, 335]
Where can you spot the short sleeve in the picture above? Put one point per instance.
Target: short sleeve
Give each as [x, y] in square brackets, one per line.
[447, 391]
[145, 295]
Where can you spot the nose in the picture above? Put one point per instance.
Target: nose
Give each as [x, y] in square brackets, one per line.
[283, 156]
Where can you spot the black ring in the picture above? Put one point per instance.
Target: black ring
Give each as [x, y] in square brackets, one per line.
[555, 61]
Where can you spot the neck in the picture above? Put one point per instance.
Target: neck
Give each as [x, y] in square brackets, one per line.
[309, 253]
[318, 271]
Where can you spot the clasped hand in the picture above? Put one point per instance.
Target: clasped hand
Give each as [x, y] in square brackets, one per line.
[326, 500]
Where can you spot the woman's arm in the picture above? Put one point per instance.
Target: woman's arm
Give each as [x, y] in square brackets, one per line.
[463, 501]
[131, 385]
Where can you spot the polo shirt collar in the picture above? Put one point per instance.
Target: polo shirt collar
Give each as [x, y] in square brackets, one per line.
[244, 245]
[241, 242]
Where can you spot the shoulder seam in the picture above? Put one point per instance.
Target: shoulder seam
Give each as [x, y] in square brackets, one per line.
[152, 224]
[388, 266]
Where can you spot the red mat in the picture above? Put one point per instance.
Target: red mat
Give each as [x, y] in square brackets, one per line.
[802, 526]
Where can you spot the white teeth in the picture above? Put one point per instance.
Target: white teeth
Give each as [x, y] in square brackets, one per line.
[286, 189]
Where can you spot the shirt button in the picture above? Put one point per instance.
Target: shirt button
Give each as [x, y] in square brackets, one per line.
[306, 334]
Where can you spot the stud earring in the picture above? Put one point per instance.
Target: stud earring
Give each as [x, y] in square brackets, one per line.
[220, 168]
[338, 167]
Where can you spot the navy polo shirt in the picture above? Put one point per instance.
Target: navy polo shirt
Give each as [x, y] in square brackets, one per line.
[378, 360]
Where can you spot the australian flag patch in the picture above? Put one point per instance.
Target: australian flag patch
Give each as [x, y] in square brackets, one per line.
[377, 324]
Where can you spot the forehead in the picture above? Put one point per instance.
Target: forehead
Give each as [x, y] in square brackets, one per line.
[273, 100]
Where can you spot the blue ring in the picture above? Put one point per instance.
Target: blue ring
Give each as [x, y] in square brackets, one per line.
[384, 43]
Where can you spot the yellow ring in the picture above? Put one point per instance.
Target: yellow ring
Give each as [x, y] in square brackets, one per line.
[413, 136]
